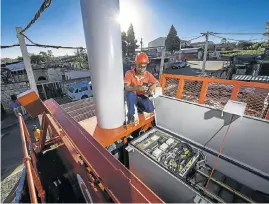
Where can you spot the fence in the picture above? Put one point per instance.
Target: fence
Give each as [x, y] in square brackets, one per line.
[216, 92]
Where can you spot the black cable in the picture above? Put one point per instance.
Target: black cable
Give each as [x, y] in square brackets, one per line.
[9, 46]
[42, 8]
[224, 37]
[195, 38]
[50, 46]
[239, 33]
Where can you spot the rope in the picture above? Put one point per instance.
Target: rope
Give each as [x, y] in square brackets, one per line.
[220, 150]
[43, 7]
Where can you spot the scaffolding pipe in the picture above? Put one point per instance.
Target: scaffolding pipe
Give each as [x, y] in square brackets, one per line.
[103, 40]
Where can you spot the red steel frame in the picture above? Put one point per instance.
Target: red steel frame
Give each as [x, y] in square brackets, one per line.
[236, 85]
[100, 171]
[30, 164]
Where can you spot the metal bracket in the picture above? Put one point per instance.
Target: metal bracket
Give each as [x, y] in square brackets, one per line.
[129, 148]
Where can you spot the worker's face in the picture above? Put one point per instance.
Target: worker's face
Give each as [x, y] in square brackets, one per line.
[141, 68]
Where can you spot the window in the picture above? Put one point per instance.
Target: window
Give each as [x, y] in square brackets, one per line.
[41, 78]
[76, 91]
[71, 89]
[85, 88]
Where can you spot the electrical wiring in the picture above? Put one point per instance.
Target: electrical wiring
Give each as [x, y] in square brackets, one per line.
[224, 37]
[42, 8]
[41, 45]
[195, 38]
[50, 46]
[239, 33]
[9, 46]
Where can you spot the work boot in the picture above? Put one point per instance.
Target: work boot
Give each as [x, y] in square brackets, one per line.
[131, 120]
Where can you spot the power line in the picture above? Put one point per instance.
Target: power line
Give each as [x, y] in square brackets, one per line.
[239, 33]
[223, 37]
[40, 45]
[50, 46]
[195, 38]
[8, 46]
[42, 8]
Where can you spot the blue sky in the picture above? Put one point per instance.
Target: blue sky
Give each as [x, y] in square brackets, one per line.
[61, 24]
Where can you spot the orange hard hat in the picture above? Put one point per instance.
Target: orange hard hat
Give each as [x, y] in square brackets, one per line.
[141, 58]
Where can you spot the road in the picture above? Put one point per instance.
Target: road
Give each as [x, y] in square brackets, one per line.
[210, 65]
[195, 68]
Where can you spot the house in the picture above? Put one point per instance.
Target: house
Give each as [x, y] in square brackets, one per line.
[191, 53]
[51, 78]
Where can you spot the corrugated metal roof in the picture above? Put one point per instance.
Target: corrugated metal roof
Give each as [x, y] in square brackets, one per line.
[251, 78]
[81, 109]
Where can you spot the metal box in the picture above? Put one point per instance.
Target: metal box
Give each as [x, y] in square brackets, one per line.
[167, 185]
[204, 128]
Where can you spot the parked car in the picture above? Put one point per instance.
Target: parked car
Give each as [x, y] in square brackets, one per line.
[80, 90]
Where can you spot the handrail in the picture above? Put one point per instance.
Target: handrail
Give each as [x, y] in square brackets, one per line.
[30, 164]
[27, 163]
[200, 88]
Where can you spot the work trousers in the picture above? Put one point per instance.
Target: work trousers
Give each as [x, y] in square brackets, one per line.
[142, 103]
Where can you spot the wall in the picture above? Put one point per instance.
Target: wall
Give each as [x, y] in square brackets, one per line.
[55, 74]
[40, 73]
[9, 89]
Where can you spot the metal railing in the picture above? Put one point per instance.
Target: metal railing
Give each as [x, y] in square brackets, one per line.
[216, 92]
[33, 179]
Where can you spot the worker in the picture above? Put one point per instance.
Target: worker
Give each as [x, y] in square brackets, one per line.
[15, 105]
[139, 85]
[36, 132]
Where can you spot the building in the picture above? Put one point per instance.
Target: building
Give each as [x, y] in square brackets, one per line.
[52, 79]
[191, 53]
[159, 42]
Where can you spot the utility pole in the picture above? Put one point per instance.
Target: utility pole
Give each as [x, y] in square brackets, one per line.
[26, 60]
[141, 43]
[162, 62]
[205, 51]
[180, 50]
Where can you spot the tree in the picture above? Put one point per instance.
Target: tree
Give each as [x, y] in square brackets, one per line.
[131, 41]
[172, 42]
[41, 57]
[244, 44]
[36, 59]
[19, 58]
[50, 54]
[124, 43]
[223, 41]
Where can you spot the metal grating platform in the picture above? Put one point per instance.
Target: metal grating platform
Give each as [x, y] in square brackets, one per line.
[80, 110]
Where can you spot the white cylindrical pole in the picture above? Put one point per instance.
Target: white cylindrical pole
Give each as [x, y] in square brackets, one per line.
[103, 40]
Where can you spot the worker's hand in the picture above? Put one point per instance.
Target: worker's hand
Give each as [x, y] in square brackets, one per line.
[152, 89]
[141, 88]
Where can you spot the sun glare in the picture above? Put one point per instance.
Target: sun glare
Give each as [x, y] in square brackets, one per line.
[128, 14]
